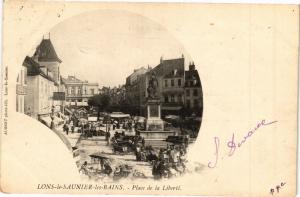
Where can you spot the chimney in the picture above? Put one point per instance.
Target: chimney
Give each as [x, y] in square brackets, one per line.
[161, 59]
[182, 56]
[192, 66]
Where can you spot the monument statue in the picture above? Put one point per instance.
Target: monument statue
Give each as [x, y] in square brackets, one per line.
[152, 87]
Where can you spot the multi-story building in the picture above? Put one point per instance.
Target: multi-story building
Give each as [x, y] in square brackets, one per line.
[172, 81]
[117, 95]
[78, 92]
[43, 79]
[170, 78]
[193, 89]
[40, 87]
[21, 89]
[132, 87]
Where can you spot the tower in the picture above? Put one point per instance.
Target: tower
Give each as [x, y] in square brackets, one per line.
[46, 56]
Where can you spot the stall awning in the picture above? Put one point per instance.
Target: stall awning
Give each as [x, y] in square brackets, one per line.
[46, 119]
[119, 115]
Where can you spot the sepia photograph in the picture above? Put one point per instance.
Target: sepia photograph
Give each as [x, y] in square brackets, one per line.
[149, 98]
[124, 110]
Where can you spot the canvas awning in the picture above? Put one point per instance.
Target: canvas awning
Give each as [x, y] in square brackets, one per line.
[46, 119]
[119, 115]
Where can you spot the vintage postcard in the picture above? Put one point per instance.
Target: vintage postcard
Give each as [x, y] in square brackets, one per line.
[149, 98]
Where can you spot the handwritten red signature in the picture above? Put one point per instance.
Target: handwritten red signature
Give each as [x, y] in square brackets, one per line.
[233, 145]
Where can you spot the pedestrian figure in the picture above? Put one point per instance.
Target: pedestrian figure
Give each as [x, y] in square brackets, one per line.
[155, 170]
[107, 136]
[67, 130]
[72, 128]
[143, 141]
[83, 167]
[64, 127]
[107, 168]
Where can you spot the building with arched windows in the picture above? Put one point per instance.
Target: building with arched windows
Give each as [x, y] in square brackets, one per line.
[78, 91]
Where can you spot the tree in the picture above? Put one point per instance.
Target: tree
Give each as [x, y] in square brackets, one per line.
[101, 101]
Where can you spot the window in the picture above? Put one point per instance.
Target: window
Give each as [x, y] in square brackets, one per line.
[166, 99]
[187, 92]
[188, 103]
[195, 92]
[179, 82]
[196, 103]
[21, 104]
[172, 82]
[79, 91]
[92, 91]
[22, 73]
[180, 98]
[25, 76]
[172, 98]
[72, 90]
[166, 83]
[191, 83]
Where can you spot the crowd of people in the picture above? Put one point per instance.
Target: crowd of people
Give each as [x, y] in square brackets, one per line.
[166, 162]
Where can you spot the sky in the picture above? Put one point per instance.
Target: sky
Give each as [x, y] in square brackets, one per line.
[106, 46]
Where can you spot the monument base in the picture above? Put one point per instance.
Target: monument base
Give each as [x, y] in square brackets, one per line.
[156, 135]
[154, 124]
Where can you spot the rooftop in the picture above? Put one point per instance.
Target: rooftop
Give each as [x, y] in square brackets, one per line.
[167, 67]
[33, 69]
[74, 79]
[45, 52]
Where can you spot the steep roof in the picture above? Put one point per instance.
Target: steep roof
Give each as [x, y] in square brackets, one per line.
[33, 69]
[192, 75]
[166, 67]
[46, 52]
[175, 73]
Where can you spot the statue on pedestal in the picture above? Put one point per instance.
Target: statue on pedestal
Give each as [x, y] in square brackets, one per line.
[152, 87]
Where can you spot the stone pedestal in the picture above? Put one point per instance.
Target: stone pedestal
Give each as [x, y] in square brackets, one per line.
[154, 123]
[155, 135]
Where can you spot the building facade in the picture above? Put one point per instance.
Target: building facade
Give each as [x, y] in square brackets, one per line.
[40, 87]
[174, 84]
[42, 80]
[193, 89]
[78, 92]
[21, 89]
[170, 77]
[133, 92]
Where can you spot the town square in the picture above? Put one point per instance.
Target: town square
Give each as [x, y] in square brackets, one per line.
[139, 127]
